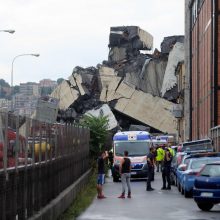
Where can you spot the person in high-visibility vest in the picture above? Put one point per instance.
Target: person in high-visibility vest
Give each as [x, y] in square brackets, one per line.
[172, 152]
[159, 157]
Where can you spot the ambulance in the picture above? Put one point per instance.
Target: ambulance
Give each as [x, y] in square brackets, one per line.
[137, 143]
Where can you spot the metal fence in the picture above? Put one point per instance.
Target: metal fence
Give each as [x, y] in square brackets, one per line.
[215, 136]
[37, 162]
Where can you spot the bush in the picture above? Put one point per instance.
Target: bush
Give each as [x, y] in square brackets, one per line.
[98, 132]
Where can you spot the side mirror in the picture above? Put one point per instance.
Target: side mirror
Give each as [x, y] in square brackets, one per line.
[182, 167]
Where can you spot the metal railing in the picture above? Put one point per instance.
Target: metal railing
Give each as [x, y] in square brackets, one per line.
[215, 136]
[37, 161]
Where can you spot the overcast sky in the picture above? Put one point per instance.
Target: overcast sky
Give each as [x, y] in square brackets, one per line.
[69, 33]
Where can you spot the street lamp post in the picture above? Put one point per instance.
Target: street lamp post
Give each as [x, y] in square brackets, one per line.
[12, 68]
[8, 31]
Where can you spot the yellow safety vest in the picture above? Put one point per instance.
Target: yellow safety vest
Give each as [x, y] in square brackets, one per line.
[171, 151]
[160, 154]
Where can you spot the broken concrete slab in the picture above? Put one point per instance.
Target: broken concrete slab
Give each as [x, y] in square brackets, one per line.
[108, 92]
[104, 110]
[150, 77]
[65, 94]
[175, 57]
[105, 76]
[117, 54]
[125, 42]
[139, 39]
[145, 108]
[168, 43]
[47, 109]
[82, 82]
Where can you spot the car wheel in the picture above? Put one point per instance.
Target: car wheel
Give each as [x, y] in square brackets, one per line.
[182, 190]
[179, 187]
[187, 194]
[205, 206]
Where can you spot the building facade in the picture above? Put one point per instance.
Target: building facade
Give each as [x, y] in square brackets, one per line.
[47, 83]
[202, 28]
[29, 89]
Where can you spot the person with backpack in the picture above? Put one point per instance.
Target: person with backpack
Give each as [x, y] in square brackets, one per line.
[166, 170]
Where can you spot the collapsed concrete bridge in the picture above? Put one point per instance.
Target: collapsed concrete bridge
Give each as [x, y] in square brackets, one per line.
[142, 87]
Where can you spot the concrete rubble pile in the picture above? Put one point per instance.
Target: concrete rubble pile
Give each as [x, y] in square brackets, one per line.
[130, 87]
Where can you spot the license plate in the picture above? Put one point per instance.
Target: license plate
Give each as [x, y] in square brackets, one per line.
[206, 194]
[133, 173]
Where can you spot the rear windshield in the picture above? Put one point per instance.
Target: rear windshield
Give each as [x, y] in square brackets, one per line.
[198, 147]
[211, 170]
[198, 163]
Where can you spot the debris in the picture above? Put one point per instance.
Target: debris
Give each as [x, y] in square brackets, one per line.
[144, 108]
[104, 110]
[126, 42]
[82, 82]
[168, 43]
[175, 57]
[47, 109]
[66, 94]
[128, 86]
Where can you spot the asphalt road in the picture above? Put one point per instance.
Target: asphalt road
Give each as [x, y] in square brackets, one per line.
[155, 205]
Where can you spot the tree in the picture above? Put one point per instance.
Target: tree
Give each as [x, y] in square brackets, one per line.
[59, 80]
[98, 132]
[3, 83]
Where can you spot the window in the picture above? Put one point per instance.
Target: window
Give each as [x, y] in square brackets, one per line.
[211, 170]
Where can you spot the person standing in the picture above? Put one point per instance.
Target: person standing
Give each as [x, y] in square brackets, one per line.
[150, 164]
[166, 170]
[125, 171]
[101, 175]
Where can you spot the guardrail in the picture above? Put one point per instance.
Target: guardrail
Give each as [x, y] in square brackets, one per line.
[37, 161]
[215, 136]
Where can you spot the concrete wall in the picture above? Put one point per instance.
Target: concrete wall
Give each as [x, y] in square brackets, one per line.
[57, 206]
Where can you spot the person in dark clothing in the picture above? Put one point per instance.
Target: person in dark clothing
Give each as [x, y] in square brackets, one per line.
[110, 159]
[166, 170]
[101, 174]
[125, 171]
[155, 155]
[150, 164]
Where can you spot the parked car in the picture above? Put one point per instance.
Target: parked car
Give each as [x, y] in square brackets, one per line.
[185, 157]
[187, 173]
[198, 147]
[178, 159]
[204, 145]
[206, 191]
